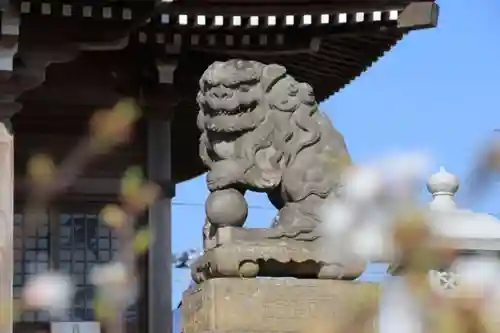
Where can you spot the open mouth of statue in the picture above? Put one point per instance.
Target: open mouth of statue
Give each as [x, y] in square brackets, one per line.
[245, 117]
[223, 107]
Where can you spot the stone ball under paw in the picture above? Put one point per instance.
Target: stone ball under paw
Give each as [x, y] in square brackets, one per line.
[226, 208]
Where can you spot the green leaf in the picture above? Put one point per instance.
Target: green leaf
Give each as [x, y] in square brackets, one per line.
[142, 240]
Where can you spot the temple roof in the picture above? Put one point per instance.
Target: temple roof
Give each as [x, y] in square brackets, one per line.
[330, 62]
[159, 49]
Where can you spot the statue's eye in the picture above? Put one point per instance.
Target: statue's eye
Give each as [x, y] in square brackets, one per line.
[293, 89]
[245, 88]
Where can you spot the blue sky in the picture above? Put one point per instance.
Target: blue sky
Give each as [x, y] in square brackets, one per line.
[438, 91]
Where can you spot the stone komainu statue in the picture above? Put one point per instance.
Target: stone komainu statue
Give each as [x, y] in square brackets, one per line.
[262, 131]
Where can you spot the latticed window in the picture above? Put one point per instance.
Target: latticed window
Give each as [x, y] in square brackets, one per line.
[31, 256]
[72, 243]
[82, 243]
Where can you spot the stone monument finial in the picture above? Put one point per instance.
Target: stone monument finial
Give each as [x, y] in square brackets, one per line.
[443, 186]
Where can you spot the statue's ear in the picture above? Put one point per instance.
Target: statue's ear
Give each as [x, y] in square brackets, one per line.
[200, 99]
[270, 75]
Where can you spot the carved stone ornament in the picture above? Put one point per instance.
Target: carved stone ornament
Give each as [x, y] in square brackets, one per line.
[262, 131]
[443, 281]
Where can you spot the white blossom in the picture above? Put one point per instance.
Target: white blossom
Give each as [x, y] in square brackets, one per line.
[399, 310]
[370, 241]
[51, 291]
[478, 278]
[478, 275]
[115, 283]
[491, 304]
[338, 217]
[358, 221]
[405, 168]
[362, 184]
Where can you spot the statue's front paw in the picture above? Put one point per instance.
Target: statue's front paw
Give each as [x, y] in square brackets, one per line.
[217, 181]
[224, 176]
[266, 179]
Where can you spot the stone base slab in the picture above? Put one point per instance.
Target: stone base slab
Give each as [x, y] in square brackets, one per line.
[272, 258]
[232, 305]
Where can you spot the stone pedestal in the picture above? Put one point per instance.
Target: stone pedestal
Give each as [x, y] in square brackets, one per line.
[231, 305]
